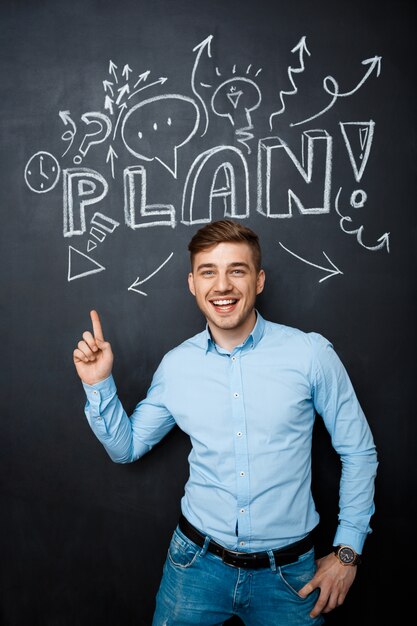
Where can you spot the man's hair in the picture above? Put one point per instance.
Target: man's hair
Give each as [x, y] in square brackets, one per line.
[224, 231]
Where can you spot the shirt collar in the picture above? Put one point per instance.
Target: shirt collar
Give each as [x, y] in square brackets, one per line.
[252, 339]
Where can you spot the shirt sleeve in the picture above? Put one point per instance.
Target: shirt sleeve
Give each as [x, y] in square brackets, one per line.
[126, 438]
[336, 402]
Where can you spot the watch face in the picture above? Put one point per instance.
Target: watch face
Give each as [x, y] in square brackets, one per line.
[346, 555]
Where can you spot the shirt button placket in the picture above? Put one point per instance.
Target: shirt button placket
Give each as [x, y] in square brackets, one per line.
[241, 452]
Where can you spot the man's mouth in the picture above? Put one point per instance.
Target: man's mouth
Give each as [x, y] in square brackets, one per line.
[224, 305]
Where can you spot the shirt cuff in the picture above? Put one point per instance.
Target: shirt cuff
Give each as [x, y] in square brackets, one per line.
[347, 537]
[101, 390]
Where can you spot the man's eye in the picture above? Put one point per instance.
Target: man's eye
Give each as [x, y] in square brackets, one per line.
[208, 273]
[237, 272]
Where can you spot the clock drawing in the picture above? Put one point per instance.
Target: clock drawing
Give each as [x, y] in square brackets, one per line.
[42, 172]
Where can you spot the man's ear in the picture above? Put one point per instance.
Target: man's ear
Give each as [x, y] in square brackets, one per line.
[260, 282]
[191, 283]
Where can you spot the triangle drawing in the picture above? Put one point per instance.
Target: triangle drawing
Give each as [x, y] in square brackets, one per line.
[358, 138]
[234, 98]
[80, 265]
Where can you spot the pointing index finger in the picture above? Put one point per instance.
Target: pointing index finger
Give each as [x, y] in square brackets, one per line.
[97, 330]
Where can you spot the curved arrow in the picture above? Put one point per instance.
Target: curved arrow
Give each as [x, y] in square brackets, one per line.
[140, 282]
[204, 45]
[330, 272]
[374, 62]
[383, 240]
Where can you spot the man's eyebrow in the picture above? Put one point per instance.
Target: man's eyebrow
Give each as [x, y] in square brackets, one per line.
[203, 266]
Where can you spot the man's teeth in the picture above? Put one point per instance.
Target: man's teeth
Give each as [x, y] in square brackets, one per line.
[223, 302]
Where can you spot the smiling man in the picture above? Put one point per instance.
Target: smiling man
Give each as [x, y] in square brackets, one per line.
[247, 392]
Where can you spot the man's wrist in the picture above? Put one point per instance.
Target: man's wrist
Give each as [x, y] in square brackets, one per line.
[347, 555]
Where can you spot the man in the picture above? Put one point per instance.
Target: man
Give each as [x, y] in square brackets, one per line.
[246, 391]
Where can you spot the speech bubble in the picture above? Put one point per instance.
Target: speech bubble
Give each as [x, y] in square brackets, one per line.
[155, 128]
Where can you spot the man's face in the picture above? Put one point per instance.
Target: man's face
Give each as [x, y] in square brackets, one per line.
[225, 283]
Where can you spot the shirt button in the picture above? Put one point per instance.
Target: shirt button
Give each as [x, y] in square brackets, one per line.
[235, 395]
[242, 510]
[95, 392]
[241, 543]
[239, 434]
[242, 473]
[233, 358]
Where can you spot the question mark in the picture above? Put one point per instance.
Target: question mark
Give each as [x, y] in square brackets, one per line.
[105, 126]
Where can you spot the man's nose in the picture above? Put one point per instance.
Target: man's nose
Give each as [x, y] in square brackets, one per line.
[223, 282]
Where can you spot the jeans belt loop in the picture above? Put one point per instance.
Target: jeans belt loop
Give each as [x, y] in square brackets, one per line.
[272, 560]
[205, 546]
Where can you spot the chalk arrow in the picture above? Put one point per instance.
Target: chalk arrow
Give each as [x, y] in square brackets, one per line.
[374, 62]
[108, 86]
[302, 49]
[122, 91]
[69, 135]
[108, 104]
[160, 81]
[112, 70]
[111, 155]
[383, 240]
[122, 108]
[201, 48]
[66, 118]
[142, 78]
[330, 272]
[140, 282]
[125, 72]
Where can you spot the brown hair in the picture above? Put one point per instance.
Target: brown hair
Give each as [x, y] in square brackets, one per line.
[224, 231]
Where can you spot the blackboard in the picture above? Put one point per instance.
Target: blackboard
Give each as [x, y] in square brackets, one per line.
[124, 127]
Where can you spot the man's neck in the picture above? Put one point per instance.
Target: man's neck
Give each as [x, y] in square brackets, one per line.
[229, 338]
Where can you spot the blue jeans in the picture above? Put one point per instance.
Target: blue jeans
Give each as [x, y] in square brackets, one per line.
[198, 588]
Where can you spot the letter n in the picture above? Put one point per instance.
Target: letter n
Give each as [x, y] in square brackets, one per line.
[275, 195]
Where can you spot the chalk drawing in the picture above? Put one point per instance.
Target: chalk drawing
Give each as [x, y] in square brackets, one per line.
[202, 186]
[384, 240]
[68, 135]
[330, 272]
[301, 48]
[82, 187]
[42, 172]
[157, 127]
[204, 47]
[272, 150]
[374, 64]
[235, 99]
[137, 282]
[151, 129]
[99, 135]
[361, 134]
[135, 178]
[80, 265]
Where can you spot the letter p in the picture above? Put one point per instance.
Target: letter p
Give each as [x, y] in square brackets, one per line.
[82, 187]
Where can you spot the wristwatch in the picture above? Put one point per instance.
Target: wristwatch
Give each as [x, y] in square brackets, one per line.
[346, 555]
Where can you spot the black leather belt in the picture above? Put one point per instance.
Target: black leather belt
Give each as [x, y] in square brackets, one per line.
[247, 560]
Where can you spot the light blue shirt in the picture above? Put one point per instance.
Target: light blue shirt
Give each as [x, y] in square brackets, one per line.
[250, 414]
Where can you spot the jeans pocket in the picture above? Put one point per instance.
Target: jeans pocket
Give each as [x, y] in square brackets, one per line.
[182, 552]
[297, 574]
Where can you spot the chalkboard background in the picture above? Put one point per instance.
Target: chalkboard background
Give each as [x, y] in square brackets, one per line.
[83, 540]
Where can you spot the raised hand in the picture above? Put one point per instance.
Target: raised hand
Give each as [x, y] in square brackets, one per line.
[93, 356]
